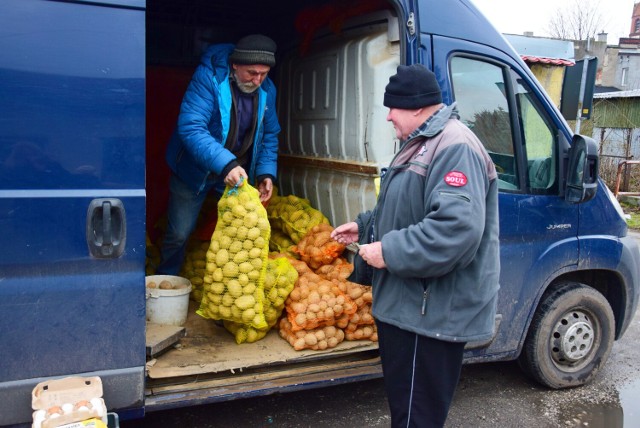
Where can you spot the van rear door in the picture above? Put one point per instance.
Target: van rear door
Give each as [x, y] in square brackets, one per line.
[72, 198]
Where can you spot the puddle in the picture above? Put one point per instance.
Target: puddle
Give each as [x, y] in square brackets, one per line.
[621, 411]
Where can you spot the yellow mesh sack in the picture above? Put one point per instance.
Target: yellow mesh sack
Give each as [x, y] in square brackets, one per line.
[279, 280]
[233, 285]
[294, 216]
[281, 243]
[194, 266]
[244, 332]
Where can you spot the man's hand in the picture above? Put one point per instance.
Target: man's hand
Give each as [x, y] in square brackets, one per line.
[372, 254]
[234, 176]
[265, 188]
[346, 233]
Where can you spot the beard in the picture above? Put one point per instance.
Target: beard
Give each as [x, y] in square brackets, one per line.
[247, 88]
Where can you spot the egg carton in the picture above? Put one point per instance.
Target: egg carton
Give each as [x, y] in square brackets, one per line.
[63, 403]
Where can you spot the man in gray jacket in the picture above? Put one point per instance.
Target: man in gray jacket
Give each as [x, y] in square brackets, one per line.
[432, 241]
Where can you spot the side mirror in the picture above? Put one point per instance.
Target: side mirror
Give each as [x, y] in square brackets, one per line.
[582, 173]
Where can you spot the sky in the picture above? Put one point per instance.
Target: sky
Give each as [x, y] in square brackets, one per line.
[518, 16]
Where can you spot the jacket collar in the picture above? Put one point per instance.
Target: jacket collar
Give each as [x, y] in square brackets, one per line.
[436, 123]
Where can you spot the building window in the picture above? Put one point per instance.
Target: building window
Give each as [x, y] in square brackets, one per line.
[624, 77]
[636, 27]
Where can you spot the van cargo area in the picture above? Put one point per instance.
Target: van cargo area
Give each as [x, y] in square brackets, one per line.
[334, 141]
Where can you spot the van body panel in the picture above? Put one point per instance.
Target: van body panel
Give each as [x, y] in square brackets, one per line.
[76, 139]
[72, 131]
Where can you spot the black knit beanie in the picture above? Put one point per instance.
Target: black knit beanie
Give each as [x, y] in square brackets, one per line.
[254, 49]
[412, 87]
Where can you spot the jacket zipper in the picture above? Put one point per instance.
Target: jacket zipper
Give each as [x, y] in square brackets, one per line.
[425, 296]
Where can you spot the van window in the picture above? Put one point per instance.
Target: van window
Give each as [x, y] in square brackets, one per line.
[479, 90]
[479, 87]
[539, 137]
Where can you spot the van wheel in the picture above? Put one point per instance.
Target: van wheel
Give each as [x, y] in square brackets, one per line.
[570, 337]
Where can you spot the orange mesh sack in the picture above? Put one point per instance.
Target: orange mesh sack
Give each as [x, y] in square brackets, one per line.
[362, 332]
[233, 285]
[339, 269]
[360, 325]
[316, 302]
[315, 339]
[294, 216]
[317, 248]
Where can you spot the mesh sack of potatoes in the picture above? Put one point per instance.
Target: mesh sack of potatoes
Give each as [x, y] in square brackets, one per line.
[339, 269]
[316, 302]
[315, 339]
[236, 260]
[362, 332]
[279, 280]
[281, 243]
[194, 266]
[361, 325]
[317, 248]
[294, 216]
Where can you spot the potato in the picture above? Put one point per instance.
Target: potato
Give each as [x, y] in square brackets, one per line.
[165, 285]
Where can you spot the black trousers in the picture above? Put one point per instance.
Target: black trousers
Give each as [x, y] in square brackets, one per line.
[420, 376]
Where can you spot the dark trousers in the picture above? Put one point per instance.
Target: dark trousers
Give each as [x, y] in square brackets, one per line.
[420, 376]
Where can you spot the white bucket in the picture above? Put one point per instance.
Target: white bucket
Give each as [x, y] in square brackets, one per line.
[167, 306]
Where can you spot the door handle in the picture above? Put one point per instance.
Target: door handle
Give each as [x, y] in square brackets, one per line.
[106, 228]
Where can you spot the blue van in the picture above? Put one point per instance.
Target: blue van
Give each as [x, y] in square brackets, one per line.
[89, 94]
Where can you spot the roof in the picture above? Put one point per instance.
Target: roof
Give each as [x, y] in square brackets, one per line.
[602, 89]
[620, 94]
[551, 61]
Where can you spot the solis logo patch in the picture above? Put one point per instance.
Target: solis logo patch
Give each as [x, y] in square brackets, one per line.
[455, 178]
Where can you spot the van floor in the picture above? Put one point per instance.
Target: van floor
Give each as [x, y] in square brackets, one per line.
[208, 348]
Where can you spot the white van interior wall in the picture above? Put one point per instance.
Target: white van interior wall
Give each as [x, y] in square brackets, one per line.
[330, 108]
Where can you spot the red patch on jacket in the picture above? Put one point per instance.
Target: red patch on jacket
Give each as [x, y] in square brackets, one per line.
[455, 178]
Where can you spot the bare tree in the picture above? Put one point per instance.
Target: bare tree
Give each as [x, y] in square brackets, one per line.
[580, 20]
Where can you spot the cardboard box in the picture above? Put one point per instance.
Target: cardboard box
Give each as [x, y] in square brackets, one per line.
[63, 402]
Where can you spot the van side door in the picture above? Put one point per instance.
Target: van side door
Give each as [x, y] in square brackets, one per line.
[72, 198]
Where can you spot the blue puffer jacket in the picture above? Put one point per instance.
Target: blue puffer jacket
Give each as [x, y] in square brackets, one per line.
[196, 149]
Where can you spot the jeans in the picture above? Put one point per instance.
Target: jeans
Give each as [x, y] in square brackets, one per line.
[182, 215]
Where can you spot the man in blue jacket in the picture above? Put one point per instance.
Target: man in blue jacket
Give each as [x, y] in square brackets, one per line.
[227, 133]
[432, 243]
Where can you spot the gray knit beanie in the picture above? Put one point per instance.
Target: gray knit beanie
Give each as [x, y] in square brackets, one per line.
[254, 49]
[412, 87]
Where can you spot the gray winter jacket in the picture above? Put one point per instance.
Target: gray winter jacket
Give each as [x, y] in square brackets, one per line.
[437, 218]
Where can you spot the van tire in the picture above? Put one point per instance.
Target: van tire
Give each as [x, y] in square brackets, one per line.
[570, 337]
